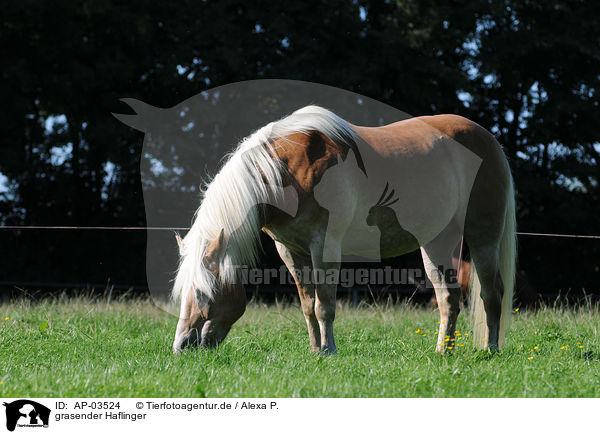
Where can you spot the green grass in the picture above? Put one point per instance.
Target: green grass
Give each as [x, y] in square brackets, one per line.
[80, 347]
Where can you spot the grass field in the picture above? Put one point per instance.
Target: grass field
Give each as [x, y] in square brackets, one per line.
[80, 347]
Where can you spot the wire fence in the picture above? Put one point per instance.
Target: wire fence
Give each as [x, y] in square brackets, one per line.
[166, 228]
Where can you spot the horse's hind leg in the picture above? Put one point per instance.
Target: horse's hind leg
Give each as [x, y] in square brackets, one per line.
[306, 290]
[437, 259]
[485, 259]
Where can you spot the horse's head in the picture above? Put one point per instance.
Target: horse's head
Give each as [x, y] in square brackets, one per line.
[205, 321]
[381, 211]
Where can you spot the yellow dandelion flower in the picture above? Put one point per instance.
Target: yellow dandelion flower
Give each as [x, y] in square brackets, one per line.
[418, 331]
[530, 358]
[578, 343]
[580, 346]
[536, 347]
[6, 319]
[562, 348]
[517, 309]
[424, 334]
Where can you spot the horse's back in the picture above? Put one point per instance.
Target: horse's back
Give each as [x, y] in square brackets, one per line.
[442, 140]
[469, 134]
[419, 134]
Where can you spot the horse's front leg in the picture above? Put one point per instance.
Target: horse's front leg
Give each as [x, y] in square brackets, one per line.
[297, 264]
[325, 312]
[325, 275]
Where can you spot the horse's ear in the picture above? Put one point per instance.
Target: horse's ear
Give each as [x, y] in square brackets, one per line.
[214, 252]
[179, 243]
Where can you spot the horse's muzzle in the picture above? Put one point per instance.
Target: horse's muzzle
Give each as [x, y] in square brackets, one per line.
[207, 335]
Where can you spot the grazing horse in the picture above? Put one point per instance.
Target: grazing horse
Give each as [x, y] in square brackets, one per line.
[311, 181]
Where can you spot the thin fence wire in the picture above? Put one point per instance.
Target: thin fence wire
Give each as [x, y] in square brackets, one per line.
[101, 228]
[165, 228]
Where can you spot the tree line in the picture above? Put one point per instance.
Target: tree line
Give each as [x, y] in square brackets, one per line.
[528, 71]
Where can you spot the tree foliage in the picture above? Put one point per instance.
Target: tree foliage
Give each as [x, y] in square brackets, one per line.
[529, 71]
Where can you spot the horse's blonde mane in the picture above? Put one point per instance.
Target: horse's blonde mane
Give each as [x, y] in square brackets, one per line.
[229, 200]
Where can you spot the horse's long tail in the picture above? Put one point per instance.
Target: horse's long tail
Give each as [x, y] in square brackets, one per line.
[507, 267]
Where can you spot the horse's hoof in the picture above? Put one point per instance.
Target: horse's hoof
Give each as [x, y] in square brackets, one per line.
[328, 351]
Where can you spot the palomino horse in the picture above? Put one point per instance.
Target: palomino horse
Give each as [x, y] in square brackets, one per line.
[312, 182]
